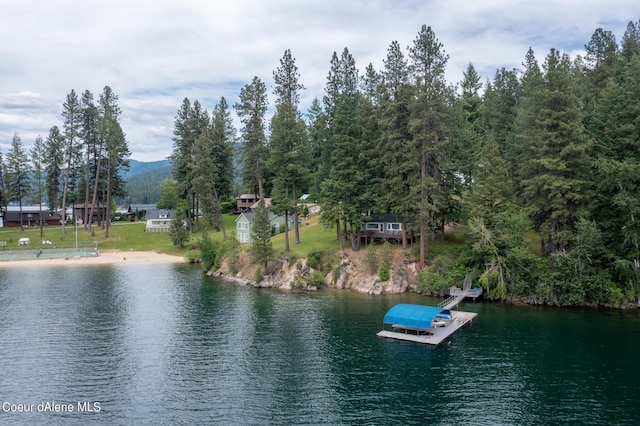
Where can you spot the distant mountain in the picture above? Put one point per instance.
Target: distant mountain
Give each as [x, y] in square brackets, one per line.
[140, 167]
[144, 180]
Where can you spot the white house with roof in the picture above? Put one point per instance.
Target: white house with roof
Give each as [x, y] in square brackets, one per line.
[159, 220]
[244, 222]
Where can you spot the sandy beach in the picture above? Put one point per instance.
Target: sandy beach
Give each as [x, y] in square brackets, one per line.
[105, 258]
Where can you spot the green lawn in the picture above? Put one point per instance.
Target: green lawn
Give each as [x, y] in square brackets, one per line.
[132, 236]
[313, 237]
[122, 236]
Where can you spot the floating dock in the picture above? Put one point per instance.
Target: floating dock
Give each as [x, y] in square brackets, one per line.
[430, 324]
[431, 335]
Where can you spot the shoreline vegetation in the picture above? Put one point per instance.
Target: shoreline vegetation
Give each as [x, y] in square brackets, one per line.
[315, 263]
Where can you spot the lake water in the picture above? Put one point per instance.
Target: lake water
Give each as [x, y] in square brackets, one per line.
[162, 344]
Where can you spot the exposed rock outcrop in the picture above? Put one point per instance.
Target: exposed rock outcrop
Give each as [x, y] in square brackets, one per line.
[348, 272]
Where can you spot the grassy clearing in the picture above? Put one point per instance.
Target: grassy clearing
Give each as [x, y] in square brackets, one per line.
[132, 236]
[313, 237]
[122, 236]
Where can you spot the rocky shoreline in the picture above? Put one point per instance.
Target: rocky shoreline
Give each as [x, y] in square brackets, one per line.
[350, 273]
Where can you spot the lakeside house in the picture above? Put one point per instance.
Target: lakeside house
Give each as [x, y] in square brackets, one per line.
[31, 216]
[384, 227]
[99, 212]
[244, 222]
[159, 220]
[267, 204]
[245, 201]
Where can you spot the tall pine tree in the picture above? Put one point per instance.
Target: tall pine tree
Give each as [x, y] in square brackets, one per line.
[253, 151]
[429, 115]
[18, 174]
[288, 147]
[554, 148]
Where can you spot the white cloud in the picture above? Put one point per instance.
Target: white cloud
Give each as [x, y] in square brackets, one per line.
[153, 54]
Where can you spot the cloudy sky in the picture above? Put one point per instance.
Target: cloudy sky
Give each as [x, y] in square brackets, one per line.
[153, 54]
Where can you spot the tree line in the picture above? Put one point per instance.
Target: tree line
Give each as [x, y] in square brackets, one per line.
[80, 162]
[549, 151]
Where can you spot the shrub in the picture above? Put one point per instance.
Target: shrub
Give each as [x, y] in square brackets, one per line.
[178, 232]
[208, 253]
[257, 277]
[371, 259]
[193, 256]
[615, 296]
[383, 271]
[315, 259]
[315, 279]
[230, 250]
[430, 282]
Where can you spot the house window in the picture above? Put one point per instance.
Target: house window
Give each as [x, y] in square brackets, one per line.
[372, 227]
[243, 225]
[393, 226]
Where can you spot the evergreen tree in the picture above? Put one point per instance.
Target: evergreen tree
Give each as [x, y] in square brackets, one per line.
[213, 165]
[72, 122]
[318, 140]
[399, 160]
[288, 148]
[178, 231]
[38, 175]
[368, 114]
[17, 174]
[500, 100]
[630, 45]
[616, 158]
[492, 190]
[555, 164]
[601, 58]
[204, 175]
[93, 155]
[253, 152]
[343, 188]
[429, 116]
[115, 159]
[471, 133]
[53, 163]
[224, 137]
[261, 249]
[190, 122]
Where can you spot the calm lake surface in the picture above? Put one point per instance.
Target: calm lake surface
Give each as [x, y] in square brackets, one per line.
[162, 344]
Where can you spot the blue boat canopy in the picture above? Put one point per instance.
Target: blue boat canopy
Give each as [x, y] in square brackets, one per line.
[416, 316]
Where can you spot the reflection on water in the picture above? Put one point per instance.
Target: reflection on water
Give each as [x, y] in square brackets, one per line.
[166, 345]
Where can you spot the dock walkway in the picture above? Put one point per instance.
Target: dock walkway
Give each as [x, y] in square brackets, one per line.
[457, 295]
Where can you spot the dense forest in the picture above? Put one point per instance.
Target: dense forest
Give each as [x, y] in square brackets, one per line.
[546, 153]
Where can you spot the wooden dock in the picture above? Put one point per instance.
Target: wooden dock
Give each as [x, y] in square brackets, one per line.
[433, 335]
[415, 325]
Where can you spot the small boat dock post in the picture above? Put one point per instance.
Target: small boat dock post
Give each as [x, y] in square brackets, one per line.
[427, 324]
